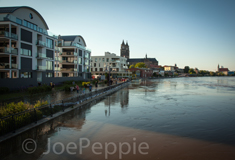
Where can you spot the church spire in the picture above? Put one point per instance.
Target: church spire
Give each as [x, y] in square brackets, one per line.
[127, 43]
[123, 42]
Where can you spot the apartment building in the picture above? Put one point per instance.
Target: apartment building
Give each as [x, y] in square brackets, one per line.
[29, 52]
[74, 58]
[116, 64]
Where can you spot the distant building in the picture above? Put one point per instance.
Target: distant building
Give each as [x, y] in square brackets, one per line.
[117, 65]
[125, 51]
[148, 61]
[169, 68]
[222, 70]
[141, 72]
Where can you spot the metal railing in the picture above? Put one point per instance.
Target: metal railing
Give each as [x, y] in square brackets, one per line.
[13, 122]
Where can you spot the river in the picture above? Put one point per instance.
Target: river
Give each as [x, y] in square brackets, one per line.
[173, 118]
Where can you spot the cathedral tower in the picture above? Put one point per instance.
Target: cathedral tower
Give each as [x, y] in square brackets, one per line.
[125, 52]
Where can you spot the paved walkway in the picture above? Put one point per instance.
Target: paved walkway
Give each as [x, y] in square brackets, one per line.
[56, 95]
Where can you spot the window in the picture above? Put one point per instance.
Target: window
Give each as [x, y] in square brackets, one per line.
[49, 65]
[94, 64]
[101, 69]
[49, 75]
[99, 64]
[26, 75]
[107, 60]
[19, 21]
[49, 43]
[25, 23]
[79, 60]
[95, 59]
[99, 59]
[95, 69]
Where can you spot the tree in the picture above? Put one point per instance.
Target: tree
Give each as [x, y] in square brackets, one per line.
[212, 73]
[132, 66]
[140, 65]
[186, 69]
[191, 71]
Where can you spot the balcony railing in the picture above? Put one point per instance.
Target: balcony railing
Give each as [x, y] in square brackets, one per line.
[9, 17]
[76, 45]
[4, 65]
[58, 59]
[66, 61]
[8, 50]
[8, 35]
[14, 66]
[41, 43]
[57, 69]
[25, 52]
[67, 69]
[41, 55]
[69, 54]
[58, 49]
[41, 68]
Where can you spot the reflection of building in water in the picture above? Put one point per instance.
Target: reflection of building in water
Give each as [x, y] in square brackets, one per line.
[124, 97]
[121, 96]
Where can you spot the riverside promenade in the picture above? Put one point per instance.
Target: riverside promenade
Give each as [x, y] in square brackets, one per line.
[53, 110]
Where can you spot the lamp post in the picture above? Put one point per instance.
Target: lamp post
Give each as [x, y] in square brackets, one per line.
[109, 73]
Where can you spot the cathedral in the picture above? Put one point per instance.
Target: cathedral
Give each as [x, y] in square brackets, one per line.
[125, 52]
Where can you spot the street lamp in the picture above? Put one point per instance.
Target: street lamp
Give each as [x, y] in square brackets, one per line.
[109, 73]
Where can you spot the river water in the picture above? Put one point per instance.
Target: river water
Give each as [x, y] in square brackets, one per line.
[175, 118]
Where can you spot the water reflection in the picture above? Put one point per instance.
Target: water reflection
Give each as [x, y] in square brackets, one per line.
[180, 118]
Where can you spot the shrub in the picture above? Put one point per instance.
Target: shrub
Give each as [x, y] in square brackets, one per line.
[4, 90]
[67, 87]
[13, 108]
[85, 83]
[43, 88]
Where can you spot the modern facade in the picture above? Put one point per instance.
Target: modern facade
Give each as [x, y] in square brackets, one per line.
[73, 59]
[117, 65]
[28, 51]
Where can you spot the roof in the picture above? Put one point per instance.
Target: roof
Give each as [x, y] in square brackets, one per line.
[141, 59]
[13, 9]
[223, 69]
[71, 38]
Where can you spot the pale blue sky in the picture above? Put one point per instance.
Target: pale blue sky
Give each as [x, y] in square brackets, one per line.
[197, 33]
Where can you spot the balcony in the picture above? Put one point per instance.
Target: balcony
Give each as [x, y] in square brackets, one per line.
[25, 52]
[69, 53]
[9, 50]
[68, 69]
[8, 35]
[57, 69]
[75, 45]
[67, 61]
[58, 59]
[14, 66]
[41, 55]
[4, 65]
[41, 43]
[57, 49]
[41, 68]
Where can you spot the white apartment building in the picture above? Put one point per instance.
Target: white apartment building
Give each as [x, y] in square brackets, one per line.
[29, 53]
[73, 59]
[117, 65]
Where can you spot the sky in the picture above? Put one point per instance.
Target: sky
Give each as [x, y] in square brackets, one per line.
[194, 33]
